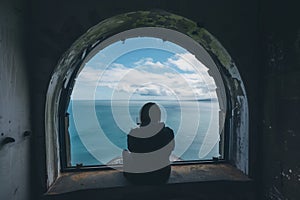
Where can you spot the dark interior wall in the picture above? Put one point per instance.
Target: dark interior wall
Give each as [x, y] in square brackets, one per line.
[55, 25]
[280, 134]
[14, 104]
[263, 38]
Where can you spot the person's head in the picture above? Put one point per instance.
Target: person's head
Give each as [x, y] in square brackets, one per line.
[150, 113]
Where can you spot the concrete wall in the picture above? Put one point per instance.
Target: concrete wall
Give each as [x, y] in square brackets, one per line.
[55, 25]
[280, 131]
[14, 105]
[263, 38]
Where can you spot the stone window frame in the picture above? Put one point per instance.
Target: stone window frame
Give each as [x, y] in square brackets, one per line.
[60, 86]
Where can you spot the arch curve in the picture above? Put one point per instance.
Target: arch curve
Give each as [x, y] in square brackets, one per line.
[62, 80]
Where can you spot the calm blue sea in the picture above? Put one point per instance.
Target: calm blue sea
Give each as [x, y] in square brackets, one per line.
[98, 128]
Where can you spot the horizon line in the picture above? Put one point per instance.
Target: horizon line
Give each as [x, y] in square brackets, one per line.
[206, 99]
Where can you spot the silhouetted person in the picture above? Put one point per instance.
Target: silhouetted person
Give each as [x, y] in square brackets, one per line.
[150, 146]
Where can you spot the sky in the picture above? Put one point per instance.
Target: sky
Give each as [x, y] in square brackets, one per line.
[144, 68]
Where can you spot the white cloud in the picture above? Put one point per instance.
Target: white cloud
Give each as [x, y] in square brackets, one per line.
[182, 76]
[148, 62]
[153, 90]
[88, 75]
[187, 62]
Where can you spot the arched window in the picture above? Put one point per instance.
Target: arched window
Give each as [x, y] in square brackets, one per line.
[111, 71]
[120, 78]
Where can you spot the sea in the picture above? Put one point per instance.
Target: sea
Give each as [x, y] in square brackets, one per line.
[98, 129]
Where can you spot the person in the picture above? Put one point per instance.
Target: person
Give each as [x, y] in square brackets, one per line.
[149, 148]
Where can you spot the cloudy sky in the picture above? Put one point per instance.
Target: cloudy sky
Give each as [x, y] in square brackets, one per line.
[144, 68]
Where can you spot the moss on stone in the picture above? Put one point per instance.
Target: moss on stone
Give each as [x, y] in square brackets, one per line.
[212, 45]
[140, 19]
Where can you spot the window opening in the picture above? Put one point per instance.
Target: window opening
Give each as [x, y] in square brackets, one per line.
[230, 90]
[116, 81]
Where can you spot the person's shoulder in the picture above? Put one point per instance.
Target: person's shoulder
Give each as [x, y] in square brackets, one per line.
[134, 132]
[168, 130]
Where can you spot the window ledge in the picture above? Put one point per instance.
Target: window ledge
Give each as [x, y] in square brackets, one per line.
[110, 179]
